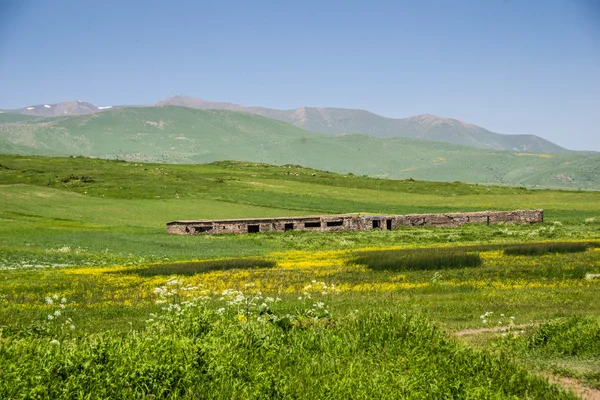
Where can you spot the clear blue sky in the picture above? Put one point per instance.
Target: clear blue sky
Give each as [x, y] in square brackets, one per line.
[511, 66]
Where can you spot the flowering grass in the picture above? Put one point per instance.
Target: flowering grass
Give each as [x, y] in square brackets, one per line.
[249, 348]
[454, 297]
[115, 309]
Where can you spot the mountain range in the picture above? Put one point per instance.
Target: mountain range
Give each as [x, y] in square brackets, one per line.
[174, 134]
[338, 121]
[67, 108]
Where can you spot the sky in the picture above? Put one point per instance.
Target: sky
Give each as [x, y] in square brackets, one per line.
[511, 66]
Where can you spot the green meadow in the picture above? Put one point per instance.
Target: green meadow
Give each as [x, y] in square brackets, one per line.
[98, 301]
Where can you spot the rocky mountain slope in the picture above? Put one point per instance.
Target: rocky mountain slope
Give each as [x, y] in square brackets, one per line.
[344, 121]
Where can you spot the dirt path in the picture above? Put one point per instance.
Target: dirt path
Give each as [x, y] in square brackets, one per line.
[575, 386]
[494, 329]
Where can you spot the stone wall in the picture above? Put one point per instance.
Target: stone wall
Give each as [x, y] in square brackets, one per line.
[354, 222]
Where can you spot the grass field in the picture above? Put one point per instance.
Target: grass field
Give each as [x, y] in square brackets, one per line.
[286, 315]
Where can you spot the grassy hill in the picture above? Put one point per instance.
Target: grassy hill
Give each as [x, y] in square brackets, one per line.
[184, 135]
[284, 189]
[344, 121]
[8, 118]
[121, 208]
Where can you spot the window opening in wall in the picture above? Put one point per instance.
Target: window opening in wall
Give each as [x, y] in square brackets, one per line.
[388, 224]
[288, 227]
[253, 228]
[376, 223]
[335, 223]
[312, 224]
[203, 228]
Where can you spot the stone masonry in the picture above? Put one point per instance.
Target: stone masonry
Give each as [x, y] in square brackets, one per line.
[349, 222]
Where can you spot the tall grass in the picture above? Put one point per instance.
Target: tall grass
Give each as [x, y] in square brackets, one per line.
[538, 249]
[573, 336]
[198, 267]
[206, 355]
[418, 259]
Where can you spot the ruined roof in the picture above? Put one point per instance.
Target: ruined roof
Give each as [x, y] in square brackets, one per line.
[300, 218]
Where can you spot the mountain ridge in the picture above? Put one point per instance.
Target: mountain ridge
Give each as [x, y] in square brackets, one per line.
[332, 120]
[65, 108]
[336, 121]
[172, 134]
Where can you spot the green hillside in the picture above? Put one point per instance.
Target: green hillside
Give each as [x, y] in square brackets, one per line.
[8, 118]
[184, 135]
[280, 190]
[49, 202]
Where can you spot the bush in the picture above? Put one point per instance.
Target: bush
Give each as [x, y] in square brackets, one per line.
[418, 259]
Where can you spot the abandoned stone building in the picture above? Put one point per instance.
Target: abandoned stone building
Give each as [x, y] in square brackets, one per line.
[349, 222]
